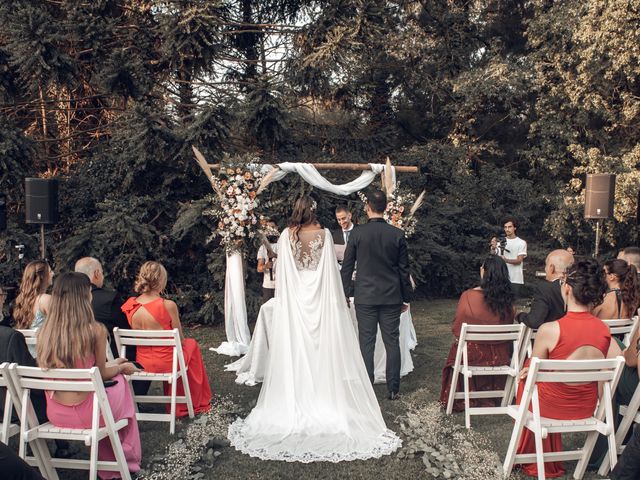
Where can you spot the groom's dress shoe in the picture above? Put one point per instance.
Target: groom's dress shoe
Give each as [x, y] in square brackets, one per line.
[394, 396]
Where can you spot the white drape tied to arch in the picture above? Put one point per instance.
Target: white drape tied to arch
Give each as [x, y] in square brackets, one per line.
[235, 309]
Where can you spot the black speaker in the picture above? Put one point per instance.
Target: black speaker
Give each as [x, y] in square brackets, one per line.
[41, 200]
[601, 189]
[3, 212]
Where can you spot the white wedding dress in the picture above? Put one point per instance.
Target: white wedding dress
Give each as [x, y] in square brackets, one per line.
[316, 402]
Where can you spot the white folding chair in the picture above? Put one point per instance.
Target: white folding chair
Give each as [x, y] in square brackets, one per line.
[29, 336]
[623, 326]
[564, 371]
[25, 379]
[630, 415]
[486, 333]
[7, 429]
[159, 338]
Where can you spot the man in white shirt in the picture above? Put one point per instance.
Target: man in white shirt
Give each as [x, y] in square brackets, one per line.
[514, 254]
[266, 265]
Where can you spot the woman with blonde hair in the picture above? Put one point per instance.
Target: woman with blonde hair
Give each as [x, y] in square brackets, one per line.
[72, 338]
[32, 303]
[150, 311]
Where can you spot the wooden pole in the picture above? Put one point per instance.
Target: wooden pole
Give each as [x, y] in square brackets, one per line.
[343, 166]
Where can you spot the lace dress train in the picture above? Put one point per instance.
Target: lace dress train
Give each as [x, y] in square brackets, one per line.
[316, 402]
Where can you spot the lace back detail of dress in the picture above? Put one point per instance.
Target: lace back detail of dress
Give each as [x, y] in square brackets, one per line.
[307, 249]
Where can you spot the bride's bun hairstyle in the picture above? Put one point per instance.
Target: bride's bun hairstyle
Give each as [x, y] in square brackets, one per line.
[377, 201]
[152, 276]
[304, 212]
[587, 280]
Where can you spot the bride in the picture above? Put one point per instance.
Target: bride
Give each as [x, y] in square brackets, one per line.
[316, 402]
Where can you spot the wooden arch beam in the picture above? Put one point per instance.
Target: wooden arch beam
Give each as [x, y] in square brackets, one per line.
[343, 166]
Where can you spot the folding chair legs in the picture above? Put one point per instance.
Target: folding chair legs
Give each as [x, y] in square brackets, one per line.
[454, 381]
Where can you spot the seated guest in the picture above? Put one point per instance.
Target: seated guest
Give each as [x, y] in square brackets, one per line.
[32, 303]
[75, 340]
[628, 466]
[622, 297]
[15, 468]
[149, 311]
[489, 304]
[577, 335]
[548, 304]
[631, 255]
[105, 303]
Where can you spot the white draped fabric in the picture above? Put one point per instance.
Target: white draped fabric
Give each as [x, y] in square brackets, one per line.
[250, 369]
[310, 174]
[235, 309]
[316, 402]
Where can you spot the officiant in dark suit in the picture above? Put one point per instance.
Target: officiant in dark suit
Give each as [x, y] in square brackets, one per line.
[382, 286]
[548, 304]
[343, 217]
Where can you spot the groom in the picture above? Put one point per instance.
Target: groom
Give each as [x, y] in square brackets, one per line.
[382, 286]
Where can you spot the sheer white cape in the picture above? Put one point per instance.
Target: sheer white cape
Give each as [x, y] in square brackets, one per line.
[316, 402]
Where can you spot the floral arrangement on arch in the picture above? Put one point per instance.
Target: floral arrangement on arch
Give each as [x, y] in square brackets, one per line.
[401, 208]
[237, 186]
[398, 212]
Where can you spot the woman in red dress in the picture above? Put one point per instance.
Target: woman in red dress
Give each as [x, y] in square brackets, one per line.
[489, 304]
[149, 311]
[577, 336]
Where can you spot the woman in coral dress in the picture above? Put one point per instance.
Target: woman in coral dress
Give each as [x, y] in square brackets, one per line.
[72, 338]
[577, 336]
[149, 311]
[489, 304]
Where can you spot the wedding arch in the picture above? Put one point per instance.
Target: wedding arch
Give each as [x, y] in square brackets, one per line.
[235, 310]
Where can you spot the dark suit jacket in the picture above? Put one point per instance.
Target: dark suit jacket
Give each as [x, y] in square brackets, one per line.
[547, 305]
[338, 236]
[13, 349]
[106, 308]
[382, 276]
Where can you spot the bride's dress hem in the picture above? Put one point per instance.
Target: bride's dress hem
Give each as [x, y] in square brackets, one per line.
[387, 443]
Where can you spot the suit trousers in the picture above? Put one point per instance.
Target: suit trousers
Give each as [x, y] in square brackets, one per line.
[388, 318]
[628, 466]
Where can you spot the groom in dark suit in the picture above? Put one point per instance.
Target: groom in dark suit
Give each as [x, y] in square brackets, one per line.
[382, 286]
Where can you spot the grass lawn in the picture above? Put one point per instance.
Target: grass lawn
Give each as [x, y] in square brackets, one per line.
[432, 321]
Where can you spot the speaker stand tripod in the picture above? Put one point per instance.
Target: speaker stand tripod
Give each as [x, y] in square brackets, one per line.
[42, 247]
[597, 249]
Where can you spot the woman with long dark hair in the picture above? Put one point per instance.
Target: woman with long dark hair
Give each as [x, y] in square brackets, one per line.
[489, 304]
[316, 401]
[623, 296]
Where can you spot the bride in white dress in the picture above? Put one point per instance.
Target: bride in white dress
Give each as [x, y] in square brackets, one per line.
[316, 402]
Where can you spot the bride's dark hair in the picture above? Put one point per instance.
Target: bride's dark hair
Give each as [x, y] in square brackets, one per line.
[304, 213]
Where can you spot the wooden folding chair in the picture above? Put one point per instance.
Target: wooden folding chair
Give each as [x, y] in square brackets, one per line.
[623, 326]
[7, 429]
[25, 379]
[486, 333]
[564, 371]
[159, 338]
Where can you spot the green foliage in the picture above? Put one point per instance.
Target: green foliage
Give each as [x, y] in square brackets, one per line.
[503, 106]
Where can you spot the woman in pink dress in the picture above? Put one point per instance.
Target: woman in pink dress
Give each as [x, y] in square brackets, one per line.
[150, 311]
[71, 338]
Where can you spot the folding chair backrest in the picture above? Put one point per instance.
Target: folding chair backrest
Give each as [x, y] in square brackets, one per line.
[30, 335]
[5, 385]
[619, 326]
[515, 333]
[149, 338]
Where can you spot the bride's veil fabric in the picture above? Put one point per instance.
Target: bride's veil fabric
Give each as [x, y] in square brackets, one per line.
[316, 401]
